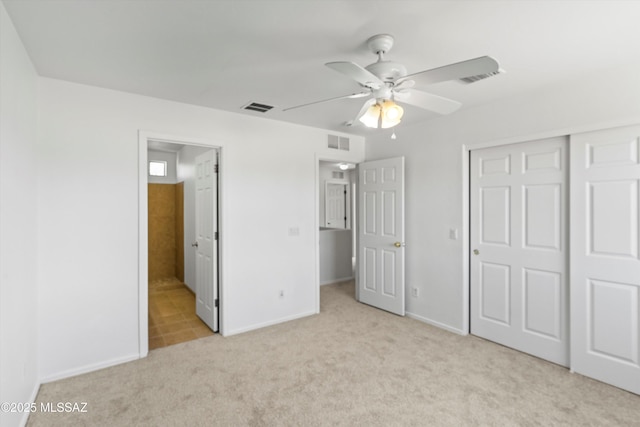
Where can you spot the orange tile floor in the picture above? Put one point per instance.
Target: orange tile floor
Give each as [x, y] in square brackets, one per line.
[172, 314]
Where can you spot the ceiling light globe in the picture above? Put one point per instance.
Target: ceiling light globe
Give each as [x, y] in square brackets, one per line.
[371, 117]
[392, 111]
[391, 114]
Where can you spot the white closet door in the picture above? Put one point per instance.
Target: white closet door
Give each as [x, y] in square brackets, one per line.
[605, 268]
[518, 247]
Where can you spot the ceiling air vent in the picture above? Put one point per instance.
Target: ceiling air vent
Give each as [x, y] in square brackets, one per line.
[255, 106]
[473, 79]
[338, 142]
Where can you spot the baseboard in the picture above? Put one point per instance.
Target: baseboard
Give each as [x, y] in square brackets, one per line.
[436, 324]
[332, 281]
[269, 323]
[32, 399]
[89, 368]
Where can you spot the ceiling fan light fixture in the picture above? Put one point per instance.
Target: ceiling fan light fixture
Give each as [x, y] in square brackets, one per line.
[385, 114]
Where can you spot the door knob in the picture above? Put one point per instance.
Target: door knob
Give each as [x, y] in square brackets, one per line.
[476, 252]
[397, 244]
[195, 245]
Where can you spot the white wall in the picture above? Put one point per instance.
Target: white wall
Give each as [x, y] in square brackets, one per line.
[335, 256]
[163, 156]
[18, 206]
[434, 172]
[88, 226]
[187, 174]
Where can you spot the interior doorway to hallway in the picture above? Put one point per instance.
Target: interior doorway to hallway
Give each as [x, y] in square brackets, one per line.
[336, 221]
[178, 239]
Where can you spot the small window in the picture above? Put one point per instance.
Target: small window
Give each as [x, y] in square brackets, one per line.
[157, 168]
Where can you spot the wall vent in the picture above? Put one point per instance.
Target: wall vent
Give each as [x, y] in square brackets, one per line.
[255, 106]
[338, 142]
[473, 79]
[337, 175]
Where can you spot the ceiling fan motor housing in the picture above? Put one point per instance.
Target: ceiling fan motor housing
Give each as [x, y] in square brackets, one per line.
[380, 43]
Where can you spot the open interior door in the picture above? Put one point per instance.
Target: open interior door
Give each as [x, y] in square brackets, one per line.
[206, 244]
[381, 234]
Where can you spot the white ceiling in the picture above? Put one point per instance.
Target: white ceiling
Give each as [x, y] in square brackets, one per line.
[226, 53]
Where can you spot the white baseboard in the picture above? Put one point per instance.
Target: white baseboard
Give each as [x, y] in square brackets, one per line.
[32, 399]
[270, 323]
[436, 324]
[89, 368]
[332, 281]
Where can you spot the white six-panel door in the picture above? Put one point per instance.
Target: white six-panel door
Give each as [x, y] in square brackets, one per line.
[605, 263]
[206, 244]
[518, 260]
[335, 205]
[381, 234]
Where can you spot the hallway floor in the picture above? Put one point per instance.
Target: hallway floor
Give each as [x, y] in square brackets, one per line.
[172, 314]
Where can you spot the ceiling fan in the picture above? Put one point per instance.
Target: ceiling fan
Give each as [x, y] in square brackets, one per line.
[387, 81]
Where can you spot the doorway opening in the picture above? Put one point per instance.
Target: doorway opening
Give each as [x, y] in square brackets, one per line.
[336, 221]
[178, 246]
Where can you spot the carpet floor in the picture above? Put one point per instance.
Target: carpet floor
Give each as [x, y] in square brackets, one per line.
[350, 365]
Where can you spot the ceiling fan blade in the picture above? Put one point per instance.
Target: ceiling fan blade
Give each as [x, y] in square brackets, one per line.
[357, 73]
[362, 111]
[404, 84]
[483, 66]
[351, 95]
[431, 102]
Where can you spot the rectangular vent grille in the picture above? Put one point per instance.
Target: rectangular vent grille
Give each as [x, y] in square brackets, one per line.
[338, 142]
[261, 108]
[337, 175]
[473, 79]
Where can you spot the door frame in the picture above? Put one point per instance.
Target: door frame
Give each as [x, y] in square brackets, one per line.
[143, 230]
[466, 194]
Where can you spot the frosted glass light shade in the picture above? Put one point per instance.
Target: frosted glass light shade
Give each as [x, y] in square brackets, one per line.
[385, 115]
[391, 114]
[372, 116]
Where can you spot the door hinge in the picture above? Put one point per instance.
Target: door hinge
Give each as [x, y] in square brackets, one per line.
[215, 168]
[216, 303]
[215, 236]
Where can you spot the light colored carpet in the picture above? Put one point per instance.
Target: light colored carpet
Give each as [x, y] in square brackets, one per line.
[350, 365]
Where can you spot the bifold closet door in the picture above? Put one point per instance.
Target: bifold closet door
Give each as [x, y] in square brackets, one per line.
[605, 268]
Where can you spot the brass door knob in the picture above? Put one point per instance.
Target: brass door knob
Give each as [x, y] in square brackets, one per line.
[397, 244]
[476, 252]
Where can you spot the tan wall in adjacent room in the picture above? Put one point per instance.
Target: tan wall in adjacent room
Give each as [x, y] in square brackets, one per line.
[180, 231]
[163, 231]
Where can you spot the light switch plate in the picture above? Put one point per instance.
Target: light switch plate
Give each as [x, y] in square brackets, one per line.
[453, 233]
